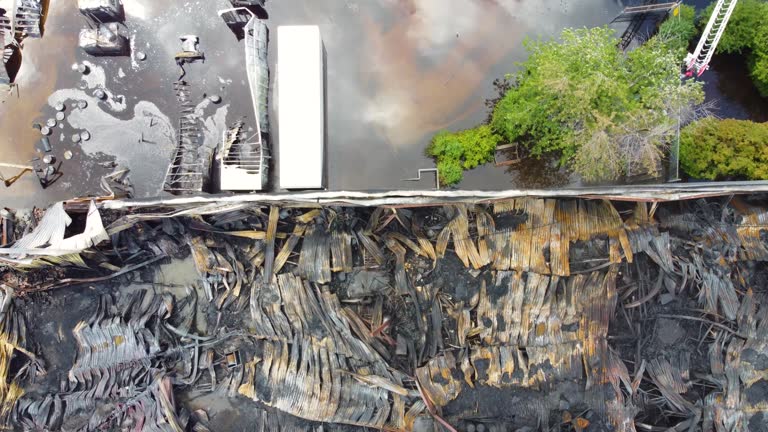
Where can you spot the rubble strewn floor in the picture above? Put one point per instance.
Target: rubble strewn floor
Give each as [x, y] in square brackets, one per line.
[517, 315]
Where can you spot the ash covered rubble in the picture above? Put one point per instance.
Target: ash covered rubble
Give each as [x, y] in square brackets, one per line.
[516, 315]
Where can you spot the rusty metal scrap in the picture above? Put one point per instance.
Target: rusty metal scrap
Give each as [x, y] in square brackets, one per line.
[552, 225]
[754, 223]
[313, 383]
[153, 407]
[458, 230]
[315, 258]
[671, 377]
[269, 260]
[288, 247]
[107, 344]
[536, 330]
[277, 421]
[530, 309]
[341, 251]
[717, 292]
[370, 247]
[11, 341]
[447, 375]
[738, 366]
[118, 360]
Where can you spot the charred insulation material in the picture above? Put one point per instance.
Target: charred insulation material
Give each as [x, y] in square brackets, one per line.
[515, 315]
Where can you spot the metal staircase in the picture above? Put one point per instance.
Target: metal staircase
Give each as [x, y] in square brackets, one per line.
[698, 61]
[5, 25]
[28, 17]
[185, 171]
[243, 158]
[636, 16]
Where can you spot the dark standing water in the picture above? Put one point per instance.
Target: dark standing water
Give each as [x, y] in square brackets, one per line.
[135, 126]
[398, 71]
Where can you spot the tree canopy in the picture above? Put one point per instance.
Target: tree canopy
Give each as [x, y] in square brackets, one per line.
[725, 149]
[463, 150]
[680, 29]
[745, 22]
[603, 112]
[606, 112]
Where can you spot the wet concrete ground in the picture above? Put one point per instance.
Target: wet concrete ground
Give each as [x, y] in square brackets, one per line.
[135, 125]
[397, 72]
[401, 70]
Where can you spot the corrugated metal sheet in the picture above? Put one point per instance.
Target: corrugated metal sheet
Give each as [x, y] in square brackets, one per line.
[753, 226]
[315, 258]
[313, 367]
[535, 330]
[46, 244]
[549, 228]
[341, 251]
[371, 247]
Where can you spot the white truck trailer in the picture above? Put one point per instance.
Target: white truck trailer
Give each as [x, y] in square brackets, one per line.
[301, 107]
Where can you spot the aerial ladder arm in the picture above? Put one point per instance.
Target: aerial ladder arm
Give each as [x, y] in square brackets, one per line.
[698, 61]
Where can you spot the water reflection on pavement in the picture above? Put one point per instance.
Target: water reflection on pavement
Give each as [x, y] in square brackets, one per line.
[397, 72]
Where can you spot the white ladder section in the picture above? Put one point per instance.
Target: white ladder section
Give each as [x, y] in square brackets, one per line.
[698, 61]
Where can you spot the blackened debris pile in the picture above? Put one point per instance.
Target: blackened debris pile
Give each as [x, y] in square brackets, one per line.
[521, 314]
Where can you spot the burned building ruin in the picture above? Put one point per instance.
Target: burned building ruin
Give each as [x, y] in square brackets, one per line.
[511, 314]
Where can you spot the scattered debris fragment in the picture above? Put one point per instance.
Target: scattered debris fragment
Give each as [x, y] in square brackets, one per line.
[104, 40]
[102, 10]
[189, 50]
[9, 181]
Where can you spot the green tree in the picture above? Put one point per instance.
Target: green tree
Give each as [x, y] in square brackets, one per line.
[463, 150]
[758, 61]
[747, 19]
[679, 30]
[725, 149]
[604, 112]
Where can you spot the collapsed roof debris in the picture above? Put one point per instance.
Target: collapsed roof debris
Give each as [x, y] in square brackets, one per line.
[119, 372]
[46, 244]
[12, 339]
[522, 314]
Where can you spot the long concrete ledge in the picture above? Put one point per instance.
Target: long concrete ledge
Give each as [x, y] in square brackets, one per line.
[662, 192]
